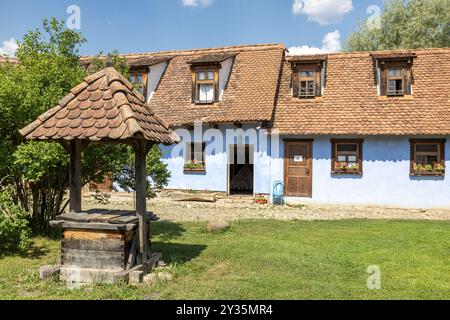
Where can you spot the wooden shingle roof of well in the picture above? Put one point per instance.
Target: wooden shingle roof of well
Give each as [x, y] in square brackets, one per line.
[105, 106]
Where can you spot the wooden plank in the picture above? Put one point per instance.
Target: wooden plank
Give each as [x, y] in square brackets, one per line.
[133, 252]
[92, 235]
[141, 197]
[185, 196]
[87, 216]
[75, 176]
[109, 216]
[93, 259]
[97, 226]
[74, 217]
[116, 245]
[125, 220]
[130, 218]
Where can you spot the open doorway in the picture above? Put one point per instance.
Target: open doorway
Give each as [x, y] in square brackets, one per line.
[241, 169]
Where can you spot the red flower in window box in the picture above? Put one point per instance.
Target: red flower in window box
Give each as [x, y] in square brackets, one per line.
[345, 167]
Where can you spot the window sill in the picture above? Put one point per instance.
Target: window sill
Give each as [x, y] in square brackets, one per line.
[404, 97]
[428, 173]
[204, 103]
[197, 170]
[349, 172]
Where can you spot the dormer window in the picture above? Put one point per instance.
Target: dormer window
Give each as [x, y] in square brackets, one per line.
[395, 82]
[308, 76]
[138, 79]
[307, 84]
[205, 85]
[394, 73]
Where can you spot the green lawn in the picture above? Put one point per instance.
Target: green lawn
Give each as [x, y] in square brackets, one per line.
[269, 260]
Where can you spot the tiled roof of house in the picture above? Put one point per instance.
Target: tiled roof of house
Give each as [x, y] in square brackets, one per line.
[249, 95]
[351, 105]
[105, 106]
[11, 60]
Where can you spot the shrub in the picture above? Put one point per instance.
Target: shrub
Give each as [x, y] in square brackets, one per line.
[15, 232]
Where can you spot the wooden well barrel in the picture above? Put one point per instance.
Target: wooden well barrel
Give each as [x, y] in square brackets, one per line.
[101, 246]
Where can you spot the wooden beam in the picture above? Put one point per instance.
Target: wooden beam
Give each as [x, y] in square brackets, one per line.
[148, 147]
[141, 197]
[65, 145]
[75, 176]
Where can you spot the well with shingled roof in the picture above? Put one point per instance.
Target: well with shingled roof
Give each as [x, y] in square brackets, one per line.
[104, 108]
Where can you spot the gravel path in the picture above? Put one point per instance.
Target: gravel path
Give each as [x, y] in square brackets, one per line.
[195, 211]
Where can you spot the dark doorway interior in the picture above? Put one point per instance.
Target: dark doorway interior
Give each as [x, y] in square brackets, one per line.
[241, 170]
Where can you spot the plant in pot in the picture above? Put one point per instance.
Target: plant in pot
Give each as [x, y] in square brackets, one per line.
[435, 168]
[194, 166]
[345, 167]
[261, 199]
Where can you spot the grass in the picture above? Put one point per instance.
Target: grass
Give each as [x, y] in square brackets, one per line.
[268, 260]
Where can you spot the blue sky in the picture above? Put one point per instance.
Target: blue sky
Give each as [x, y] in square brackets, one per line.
[154, 25]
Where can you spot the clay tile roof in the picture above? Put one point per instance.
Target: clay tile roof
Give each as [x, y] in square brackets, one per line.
[350, 104]
[212, 58]
[105, 106]
[250, 91]
[301, 58]
[393, 55]
[147, 61]
[4, 59]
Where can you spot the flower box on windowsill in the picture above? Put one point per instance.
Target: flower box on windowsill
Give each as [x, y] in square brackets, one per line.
[436, 169]
[343, 168]
[421, 173]
[194, 167]
[348, 171]
[427, 173]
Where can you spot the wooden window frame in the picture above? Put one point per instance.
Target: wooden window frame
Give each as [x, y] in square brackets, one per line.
[196, 70]
[297, 69]
[440, 154]
[406, 78]
[335, 153]
[140, 72]
[307, 80]
[190, 158]
[396, 78]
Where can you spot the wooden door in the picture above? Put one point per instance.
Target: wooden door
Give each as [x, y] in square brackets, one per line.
[298, 168]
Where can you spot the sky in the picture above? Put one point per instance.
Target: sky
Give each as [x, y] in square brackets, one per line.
[305, 26]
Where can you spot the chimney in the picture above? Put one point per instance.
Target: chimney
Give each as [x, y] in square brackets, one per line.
[109, 61]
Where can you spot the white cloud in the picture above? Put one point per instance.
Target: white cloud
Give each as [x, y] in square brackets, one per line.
[196, 3]
[323, 11]
[331, 43]
[9, 47]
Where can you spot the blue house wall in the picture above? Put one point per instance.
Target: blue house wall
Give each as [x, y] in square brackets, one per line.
[385, 181]
[216, 176]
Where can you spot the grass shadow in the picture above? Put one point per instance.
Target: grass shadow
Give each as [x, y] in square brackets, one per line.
[178, 253]
[163, 233]
[166, 230]
[33, 252]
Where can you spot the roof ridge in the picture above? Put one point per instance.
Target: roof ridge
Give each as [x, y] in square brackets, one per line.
[359, 53]
[206, 50]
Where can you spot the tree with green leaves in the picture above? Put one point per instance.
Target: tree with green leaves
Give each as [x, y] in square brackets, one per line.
[38, 172]
[405, 25]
